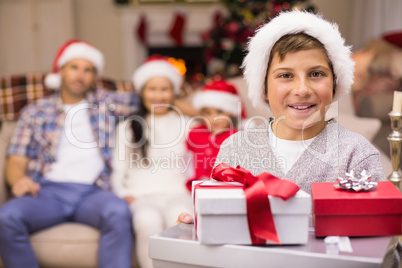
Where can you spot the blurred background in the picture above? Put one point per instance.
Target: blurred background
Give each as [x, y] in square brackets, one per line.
[127, 31]
[208, 37]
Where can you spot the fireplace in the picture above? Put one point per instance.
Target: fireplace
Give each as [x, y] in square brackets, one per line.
[199, 19]
[192, 55]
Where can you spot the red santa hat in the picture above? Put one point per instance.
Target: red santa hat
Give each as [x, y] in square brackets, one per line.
[259, 49]
[394, 38]
[73, 49]
[157, 66]
[218, 94]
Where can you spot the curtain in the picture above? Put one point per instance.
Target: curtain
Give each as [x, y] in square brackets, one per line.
[374, 18]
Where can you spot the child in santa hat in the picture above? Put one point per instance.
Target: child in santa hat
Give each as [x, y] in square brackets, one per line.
[149, 159]
[297, 66]
[220, 106]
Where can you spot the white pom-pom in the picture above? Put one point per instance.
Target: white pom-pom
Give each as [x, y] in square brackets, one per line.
[53, 81]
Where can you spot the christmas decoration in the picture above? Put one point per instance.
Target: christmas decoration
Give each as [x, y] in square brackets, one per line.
[226, 41]
[176, 31]
[351, 183]
[142, 29]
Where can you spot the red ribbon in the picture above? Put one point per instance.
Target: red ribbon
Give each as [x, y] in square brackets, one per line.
[257, 188]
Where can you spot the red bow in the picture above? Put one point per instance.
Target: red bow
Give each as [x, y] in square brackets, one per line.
[257, 188]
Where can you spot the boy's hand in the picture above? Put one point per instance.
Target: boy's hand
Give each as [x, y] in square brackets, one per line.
[184, 218]
[25, 185]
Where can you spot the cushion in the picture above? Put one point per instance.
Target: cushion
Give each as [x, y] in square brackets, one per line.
[19, 90]
[77, 241]
[376, 105]
[368, 127]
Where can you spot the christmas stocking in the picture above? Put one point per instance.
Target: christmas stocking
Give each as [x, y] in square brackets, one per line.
[176, 32]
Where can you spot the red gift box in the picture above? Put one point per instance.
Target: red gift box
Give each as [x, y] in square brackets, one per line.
[345, 213]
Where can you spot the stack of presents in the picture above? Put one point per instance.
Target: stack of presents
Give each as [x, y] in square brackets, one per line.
[236, 207]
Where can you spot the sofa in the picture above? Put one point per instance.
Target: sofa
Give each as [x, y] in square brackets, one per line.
[378, 106]
[66, 245]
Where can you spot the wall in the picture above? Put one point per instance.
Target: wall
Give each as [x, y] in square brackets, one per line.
[373, 18]
[31, 31]
[341, 12]
[99, 22]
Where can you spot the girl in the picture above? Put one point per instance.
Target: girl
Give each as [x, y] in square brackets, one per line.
[149, 163]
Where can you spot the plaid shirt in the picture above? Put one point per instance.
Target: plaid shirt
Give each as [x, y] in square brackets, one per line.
[39, 128]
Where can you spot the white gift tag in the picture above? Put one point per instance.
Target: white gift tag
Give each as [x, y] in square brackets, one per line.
[344, 244]
[333, 244]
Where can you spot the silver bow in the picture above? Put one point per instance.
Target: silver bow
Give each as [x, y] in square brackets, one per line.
[351, 183]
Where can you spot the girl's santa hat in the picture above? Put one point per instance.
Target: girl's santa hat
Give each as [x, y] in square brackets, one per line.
[256, 62]
[157, 66]
[221, 95]
[73, 49]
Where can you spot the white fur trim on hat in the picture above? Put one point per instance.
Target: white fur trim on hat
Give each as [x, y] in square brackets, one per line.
[157, 68]
[73, 49]
[260, 46]
[85, 51]
[226, 102]
[53, 80]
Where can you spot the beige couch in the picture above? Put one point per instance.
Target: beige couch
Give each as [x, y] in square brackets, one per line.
[66, 245]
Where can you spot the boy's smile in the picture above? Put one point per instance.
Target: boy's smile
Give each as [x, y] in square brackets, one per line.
[299, 89]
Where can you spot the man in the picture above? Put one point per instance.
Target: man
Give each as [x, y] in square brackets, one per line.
[58, 163]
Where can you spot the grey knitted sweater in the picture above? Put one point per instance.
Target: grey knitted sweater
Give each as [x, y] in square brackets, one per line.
[333, 152]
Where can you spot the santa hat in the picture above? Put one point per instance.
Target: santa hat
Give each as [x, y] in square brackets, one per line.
[157, 66]
[73, 49]
[256, 62]
[394, 38]
[220, 95]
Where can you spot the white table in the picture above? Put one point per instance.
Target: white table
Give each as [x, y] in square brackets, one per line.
[178, 247]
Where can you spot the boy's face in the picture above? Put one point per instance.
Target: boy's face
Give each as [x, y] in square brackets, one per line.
[299, 88]
[157, 95]
[216, 120]
[78, 75]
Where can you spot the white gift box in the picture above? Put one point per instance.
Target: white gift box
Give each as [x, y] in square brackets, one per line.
[221, 215]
